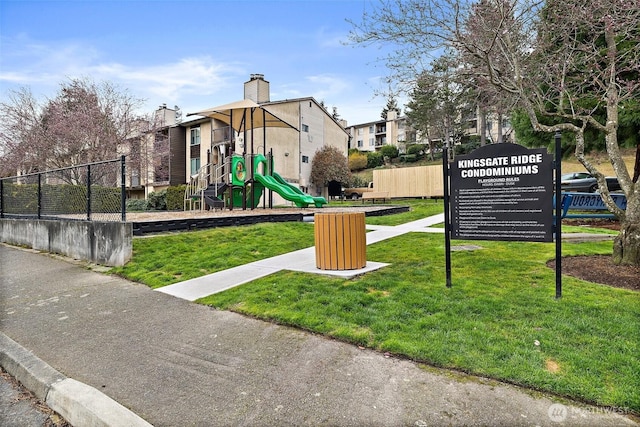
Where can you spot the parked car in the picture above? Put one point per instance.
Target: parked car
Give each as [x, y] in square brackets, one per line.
[584, 182]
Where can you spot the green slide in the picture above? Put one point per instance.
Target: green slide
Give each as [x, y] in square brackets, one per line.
[283, 188]
[318, 201]
[300, 199]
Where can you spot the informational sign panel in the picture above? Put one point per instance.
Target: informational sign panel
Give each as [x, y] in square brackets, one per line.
[502, 192]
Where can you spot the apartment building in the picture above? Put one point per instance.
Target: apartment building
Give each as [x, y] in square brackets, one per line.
[497, 127]
[173, 149]
[155, 154]
[372, 136]
[211, 141]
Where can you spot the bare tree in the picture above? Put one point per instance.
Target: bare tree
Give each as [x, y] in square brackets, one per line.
[84, 122]
[575, 61]
[21, 130]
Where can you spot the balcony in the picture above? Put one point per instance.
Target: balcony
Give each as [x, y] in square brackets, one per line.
[220, 135]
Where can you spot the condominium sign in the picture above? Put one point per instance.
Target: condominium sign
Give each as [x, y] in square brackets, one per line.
[502, 192]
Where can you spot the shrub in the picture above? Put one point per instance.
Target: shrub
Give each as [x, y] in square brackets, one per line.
[357, 161]
[175, 197]
[409, 158]
[356, 182]
[390, 151]
[467, 148]
[134, 205]
[374, 159]
[157, 201]
[416, 149]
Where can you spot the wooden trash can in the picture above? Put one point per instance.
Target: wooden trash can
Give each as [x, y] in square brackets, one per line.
[341, 243]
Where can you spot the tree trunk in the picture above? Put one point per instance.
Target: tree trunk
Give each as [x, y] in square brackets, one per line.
[626, 245]
[636, 167]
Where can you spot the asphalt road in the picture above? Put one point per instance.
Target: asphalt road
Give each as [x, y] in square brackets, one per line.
[20, 408]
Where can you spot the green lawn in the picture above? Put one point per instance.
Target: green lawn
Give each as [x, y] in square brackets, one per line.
[165, 259]
[501, 304]
[500, 319]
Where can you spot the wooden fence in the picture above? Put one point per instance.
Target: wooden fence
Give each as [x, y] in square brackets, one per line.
[420, 181]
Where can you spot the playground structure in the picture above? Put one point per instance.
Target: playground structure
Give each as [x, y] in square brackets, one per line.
[229, 182]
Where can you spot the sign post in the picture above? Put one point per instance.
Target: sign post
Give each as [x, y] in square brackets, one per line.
[558, 222]
[447, 215]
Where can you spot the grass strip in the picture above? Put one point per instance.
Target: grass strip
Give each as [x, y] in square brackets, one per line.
[500, 319]
[166, 259]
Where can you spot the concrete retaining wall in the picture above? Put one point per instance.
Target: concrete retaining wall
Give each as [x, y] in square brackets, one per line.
[105, 243]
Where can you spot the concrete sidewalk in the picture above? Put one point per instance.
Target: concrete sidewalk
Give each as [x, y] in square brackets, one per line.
[302, 260]
[106, 351]
[170, 362]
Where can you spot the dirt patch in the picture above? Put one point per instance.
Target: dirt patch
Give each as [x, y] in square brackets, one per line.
[552, 366]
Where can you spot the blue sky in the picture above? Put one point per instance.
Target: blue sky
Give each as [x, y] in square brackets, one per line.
[194, 54]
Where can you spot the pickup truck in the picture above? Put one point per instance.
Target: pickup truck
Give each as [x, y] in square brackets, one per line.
[356, 192]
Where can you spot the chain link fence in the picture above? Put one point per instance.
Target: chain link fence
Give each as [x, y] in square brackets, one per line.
[92, 192]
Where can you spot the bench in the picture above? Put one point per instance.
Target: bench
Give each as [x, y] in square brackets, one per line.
[375, 195]
[589, 202]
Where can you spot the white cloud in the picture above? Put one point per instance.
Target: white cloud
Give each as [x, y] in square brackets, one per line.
[326, 86]
[173, 80]
[43, 67]
[191, 82]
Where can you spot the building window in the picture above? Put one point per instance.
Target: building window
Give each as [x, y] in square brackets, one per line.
[305, 159]
[360, 131]
[305, 128]
[371, 130]
[360, 143]
[195, 165]
[372, 142]
[195, 135]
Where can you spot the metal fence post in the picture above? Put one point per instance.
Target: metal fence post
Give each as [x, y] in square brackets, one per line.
[1, 198]
[123, 198]
[39, 195]
[88, 192]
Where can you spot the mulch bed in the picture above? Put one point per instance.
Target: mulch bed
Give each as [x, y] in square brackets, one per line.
[600, 268]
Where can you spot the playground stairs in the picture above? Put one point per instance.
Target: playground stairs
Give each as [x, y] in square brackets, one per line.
[213, 193]
[201, 193]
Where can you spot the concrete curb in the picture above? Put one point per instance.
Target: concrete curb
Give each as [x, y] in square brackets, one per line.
[80, 404]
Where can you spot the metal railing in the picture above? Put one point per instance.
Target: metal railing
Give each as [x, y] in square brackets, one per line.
[194, 193]
[92, 192]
